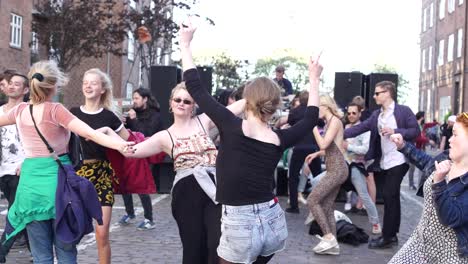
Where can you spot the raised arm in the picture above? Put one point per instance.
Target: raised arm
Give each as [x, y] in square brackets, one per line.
[295, 133]
[215, 111]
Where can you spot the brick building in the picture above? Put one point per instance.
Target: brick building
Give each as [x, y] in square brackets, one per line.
[18, 50]
[443, 72]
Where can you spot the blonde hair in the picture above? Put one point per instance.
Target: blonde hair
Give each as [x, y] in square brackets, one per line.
[106, 83]
[178, 87]
[47, 77]
[263, 97]
[328, 102]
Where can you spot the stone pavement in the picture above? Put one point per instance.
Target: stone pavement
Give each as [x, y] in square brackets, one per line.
[162, 245]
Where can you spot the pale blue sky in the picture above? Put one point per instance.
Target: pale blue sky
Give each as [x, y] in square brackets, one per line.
[354, 34]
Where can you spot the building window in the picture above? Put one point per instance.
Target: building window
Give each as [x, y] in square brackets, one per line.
[431, 15]
[421, 99]
[16, 25]
[129, 90]
[444, 107]
[441, 9]
[428, 101]
[166, 59]
[451, 6]
[459, 42]
[424, 19]
[423, 60]
[460, 2]
[429, 61]
[34, 43]
[133, 4]
[440, 58]
[131, 46]
[158, 55]
[450, 47]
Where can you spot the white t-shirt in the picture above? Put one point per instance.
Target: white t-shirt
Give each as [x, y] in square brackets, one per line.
[12, 154]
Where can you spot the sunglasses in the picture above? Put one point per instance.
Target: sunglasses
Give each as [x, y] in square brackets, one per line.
[377, 93]
[185, 101]
[352, 113]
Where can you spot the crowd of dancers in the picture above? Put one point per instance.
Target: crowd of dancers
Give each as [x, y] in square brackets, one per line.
[223, 197]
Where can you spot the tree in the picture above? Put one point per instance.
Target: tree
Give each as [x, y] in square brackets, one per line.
[156, 29]
[74, 30]
[403, 87]
[296, 69]
[227, 72]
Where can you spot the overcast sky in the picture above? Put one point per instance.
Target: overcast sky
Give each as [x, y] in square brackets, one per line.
[354, 34]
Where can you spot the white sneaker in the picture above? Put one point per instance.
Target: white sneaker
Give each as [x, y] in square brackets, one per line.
[332, 251]
[347, 207]
[301, 199]
[309, 219]
[325, 244]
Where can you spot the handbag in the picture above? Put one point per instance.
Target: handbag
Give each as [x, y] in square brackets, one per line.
[75, 151]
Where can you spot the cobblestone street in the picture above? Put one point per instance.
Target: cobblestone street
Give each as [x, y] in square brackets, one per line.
[162, 245]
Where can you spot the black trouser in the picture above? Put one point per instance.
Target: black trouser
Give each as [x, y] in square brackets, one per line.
[297, 160]
[145, 202]
[392, 179]
[199, 222]
[8, 185]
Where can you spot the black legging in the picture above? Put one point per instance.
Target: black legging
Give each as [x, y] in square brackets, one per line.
[199, 222]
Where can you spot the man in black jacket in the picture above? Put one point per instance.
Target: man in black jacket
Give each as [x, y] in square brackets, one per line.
[144, 117]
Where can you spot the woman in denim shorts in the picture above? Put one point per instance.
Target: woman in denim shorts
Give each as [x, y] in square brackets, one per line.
[253, 226]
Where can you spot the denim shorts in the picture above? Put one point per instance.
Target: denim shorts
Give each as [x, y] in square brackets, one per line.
[249, 231]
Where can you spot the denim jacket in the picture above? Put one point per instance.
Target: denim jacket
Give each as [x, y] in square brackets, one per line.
[422, 161]
[451, 203]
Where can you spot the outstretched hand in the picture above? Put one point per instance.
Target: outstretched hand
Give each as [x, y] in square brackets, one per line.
[315, 68]
[126, 148]
[186, 31]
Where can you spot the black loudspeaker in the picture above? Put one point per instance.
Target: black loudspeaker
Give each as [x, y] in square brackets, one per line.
[163, 79]
[372, 80]
[347, 86]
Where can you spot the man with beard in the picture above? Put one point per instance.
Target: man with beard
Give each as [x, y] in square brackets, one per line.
[144, 117]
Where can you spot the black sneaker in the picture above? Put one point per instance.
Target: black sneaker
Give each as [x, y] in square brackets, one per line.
[292, 210]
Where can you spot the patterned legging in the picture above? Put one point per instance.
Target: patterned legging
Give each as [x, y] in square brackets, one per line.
[322, 198]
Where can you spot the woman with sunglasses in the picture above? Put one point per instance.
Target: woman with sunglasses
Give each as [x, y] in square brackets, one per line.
[193, 193]
[253, 223]
[442, 233]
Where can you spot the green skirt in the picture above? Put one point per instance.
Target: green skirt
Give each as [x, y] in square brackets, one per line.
[35, 196]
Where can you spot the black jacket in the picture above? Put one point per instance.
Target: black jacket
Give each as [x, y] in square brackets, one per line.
[147, 121]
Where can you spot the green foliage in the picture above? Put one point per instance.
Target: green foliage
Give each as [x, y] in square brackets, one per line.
[228, 72]
[74, 30]
[403, 88]
[296, 69]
